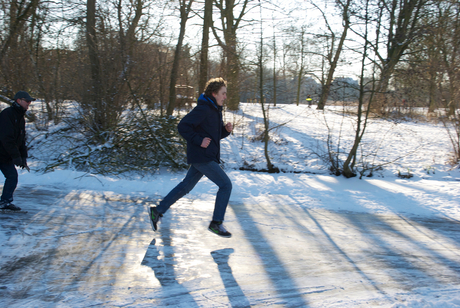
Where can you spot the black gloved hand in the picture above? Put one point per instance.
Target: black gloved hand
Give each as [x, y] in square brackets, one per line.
[17, 161]
[24, 163]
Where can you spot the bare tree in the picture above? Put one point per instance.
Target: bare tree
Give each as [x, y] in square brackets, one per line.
[207, 21]
[333, 54]
[16, 17]
[287, 90]
[275, 84]
[185, 8]
[363, 110]
[448, 42]
[366, 97]
[260, 63]
[301, 64]
[448, 16]
[18, 14]
[229, 24]
[46, 71]
[293, 58]
[402, 27]
[128, 38]
[95, 92]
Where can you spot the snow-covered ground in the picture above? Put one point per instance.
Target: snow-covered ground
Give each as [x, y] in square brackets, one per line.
[304, 239]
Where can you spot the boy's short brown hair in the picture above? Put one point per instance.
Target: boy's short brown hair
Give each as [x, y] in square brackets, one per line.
[213, 85]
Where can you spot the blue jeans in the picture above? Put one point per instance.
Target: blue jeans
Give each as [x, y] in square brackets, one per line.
[11, 181]
[212, 171]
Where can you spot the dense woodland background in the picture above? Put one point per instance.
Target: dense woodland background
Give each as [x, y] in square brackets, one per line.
[129, 67]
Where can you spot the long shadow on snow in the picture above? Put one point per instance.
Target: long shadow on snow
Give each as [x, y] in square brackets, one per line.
[442, 225]
[415, 270]
[279, 275]
[174, 292]
[234, 292]
[332, 244]
[390, 256]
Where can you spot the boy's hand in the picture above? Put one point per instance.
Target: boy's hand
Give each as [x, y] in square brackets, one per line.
[205, 143]
[229, 127]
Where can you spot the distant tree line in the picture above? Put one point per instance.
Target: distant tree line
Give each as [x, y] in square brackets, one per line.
[103, 53]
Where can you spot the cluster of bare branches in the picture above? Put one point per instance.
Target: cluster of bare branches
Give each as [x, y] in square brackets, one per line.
[141, 144]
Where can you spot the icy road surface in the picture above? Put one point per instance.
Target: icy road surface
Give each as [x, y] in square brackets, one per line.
[92, 248]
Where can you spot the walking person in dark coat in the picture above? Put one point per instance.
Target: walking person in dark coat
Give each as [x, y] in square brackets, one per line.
[203, 128]
[13, 150]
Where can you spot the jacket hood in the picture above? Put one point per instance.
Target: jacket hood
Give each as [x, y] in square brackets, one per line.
[206, 100]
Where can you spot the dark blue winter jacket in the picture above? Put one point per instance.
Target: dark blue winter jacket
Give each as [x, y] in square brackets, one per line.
[205, 120]
[12, 133]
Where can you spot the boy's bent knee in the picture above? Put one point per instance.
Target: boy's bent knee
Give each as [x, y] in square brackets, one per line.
[227, 186]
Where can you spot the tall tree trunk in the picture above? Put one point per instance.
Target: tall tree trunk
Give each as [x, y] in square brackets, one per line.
[348, 165]
[184, 12]
[300, 76]
[205, 45]
[333, 64]
[128, 39]
[403, 21]
[230, 25]
[233, 75]
[95, 92]
[127, 44]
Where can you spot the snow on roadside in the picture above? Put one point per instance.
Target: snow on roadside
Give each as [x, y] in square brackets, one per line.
[420, 149]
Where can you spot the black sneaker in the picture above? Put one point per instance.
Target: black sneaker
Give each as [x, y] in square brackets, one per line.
[8, 206]
[218, 228]
[154, 217]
